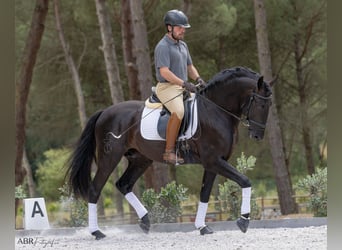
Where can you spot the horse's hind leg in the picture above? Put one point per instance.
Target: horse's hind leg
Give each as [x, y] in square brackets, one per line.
[106, 164]
[137, 164]
[207, 184]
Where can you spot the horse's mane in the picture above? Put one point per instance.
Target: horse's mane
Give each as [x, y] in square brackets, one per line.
[229, 74]
[225, 77]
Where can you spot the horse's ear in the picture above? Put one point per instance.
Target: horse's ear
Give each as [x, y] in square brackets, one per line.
[260, 82]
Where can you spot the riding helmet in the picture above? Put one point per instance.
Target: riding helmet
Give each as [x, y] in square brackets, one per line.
[176, 18]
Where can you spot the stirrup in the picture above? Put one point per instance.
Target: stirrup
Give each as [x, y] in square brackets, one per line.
[175, 160]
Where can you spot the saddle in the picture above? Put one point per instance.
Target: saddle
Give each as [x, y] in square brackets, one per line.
[153, 102]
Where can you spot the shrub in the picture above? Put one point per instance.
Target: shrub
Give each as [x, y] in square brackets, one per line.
[316, 186]
[53, 207]
[50, 173]
[230, 192]
[20, 193]
[165, 207]
[77, 209]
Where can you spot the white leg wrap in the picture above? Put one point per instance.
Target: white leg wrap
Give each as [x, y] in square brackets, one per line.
[92, 217]
[136, 204]
[200, 216]
[246, 200]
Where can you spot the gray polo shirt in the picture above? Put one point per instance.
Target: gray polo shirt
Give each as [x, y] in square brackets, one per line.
[174, 55]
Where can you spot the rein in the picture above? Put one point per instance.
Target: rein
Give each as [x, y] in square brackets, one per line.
[223, 109]
[134, 124]
[245, 120]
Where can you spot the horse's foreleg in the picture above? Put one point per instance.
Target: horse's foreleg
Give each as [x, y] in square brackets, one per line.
[225, 169]
[125, 185]
[246, 201]
[136, 167]
[243, 221]
[136, 204]
[207, 184]
[140, 210]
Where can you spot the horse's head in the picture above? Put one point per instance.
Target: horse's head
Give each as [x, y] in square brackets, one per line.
[244, 95]
[256, 111]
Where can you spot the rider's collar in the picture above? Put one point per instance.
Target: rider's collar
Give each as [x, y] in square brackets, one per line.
[171, 41]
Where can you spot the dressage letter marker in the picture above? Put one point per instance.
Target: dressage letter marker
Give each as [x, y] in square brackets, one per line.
[35, 215]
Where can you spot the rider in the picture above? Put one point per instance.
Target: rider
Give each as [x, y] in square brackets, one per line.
[173, 64]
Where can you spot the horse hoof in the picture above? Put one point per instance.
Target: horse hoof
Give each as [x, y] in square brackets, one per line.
[145, 224]
[206, 230]
[243, 224]
[98, 235]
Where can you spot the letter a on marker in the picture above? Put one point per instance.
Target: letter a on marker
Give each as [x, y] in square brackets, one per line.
[36, 209]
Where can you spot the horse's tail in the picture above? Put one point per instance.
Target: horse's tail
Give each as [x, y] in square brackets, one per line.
[79, 165]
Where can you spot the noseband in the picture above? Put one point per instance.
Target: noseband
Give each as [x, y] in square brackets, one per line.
[252, 99]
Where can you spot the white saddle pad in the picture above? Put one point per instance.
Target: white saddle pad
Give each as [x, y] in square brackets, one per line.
[149, 122]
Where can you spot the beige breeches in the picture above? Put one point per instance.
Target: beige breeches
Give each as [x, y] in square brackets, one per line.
[171, 95]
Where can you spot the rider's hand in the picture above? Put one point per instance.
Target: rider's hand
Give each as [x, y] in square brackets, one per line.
[200, 82]
[190, 87]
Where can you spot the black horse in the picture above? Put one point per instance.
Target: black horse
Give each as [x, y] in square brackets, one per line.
[233, 95]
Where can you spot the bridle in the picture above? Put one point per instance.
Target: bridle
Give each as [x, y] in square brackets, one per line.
[252, 99]
[245, 119]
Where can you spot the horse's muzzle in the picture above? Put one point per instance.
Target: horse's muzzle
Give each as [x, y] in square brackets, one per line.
[256, 134]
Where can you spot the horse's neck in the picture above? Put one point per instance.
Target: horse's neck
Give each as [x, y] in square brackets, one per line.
[228, 96]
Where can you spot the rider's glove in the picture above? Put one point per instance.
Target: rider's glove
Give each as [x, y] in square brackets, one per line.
[190, 87]
[200, 82]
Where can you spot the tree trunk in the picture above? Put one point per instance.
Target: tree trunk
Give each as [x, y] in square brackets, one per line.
[30, 182]
[72, 67]
[157, 176]
[141, 49]
[24, 81]
[187, 6]
[109, 53]
[299, 52]
[161, 173]
[173, 173]
[127, 45]
[306, 129]
[282, 175]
